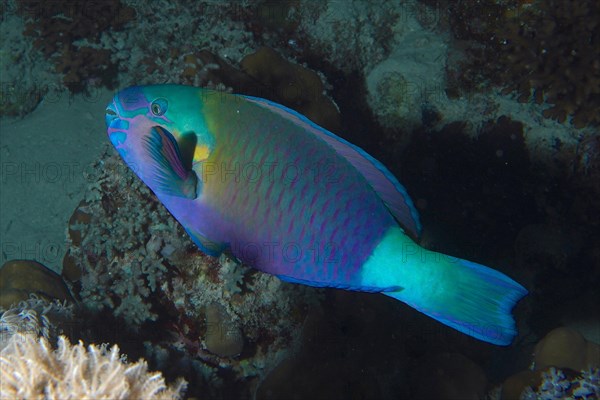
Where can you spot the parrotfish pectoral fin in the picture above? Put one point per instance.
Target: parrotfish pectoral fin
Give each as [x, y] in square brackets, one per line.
[170, 175]
[464, 295]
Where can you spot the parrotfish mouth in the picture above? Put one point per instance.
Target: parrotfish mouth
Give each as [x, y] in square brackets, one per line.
[114, 122]
[110, 114]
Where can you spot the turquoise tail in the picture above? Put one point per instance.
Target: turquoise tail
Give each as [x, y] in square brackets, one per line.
[479, 304]
[469, 297]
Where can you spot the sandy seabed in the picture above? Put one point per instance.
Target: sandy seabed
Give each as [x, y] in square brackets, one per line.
[45, 162]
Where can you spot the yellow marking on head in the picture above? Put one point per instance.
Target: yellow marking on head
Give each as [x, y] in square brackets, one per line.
[201, 153]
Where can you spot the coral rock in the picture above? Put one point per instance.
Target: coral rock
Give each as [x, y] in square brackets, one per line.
[292, 85]
[68, 33]
[223, 336]
[20, 278]
[566, 348]
[543, 50]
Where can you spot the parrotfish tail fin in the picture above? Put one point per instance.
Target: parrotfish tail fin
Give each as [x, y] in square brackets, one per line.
[475, 300]
[464, 295]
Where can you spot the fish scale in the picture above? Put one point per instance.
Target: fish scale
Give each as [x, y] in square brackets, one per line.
[319, 228]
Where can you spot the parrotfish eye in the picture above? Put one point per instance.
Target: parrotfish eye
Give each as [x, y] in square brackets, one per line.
[159, 106]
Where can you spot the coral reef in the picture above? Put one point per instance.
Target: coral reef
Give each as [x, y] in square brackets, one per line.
[557, 385]
[232, 275]
[400, 86]
[35, 316]
[353, 35]
[138, 266]
[545, 50]
[292, 85]
[26, 75]
[69, 34]
[564, 365]
[566, 348]
[173, 37]
[21, 278]
[223, 337]
[386, 47]
[198, 68]
[120, 261]
[31, 368]
[280, 17]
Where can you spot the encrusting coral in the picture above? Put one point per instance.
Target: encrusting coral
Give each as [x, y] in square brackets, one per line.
[555, 54]
[31, 368]
[545, 50]
[69, 33]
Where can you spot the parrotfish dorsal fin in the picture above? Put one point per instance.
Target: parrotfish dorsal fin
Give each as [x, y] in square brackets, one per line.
[170, 175]
[391, 192]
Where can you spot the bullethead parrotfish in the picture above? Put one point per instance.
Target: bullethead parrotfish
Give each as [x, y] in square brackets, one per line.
[258, 180]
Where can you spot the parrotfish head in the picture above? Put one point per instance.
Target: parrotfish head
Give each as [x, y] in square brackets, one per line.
[176, 111]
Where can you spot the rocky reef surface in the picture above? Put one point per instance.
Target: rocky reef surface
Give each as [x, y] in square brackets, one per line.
[486, 112]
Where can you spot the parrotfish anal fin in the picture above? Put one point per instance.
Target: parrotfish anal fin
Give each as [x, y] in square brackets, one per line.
[391, 192]
[370, 289]
[207, 246]
[170, 175]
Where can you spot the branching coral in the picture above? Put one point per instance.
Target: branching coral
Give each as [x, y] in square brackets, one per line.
[30, 368]
[232, 275]
[118, 238]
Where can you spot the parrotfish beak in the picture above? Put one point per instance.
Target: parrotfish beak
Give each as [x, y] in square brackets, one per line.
[111, 114]
[113, 120]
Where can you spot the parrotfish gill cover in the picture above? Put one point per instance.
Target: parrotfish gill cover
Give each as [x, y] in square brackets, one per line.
[256, 179]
